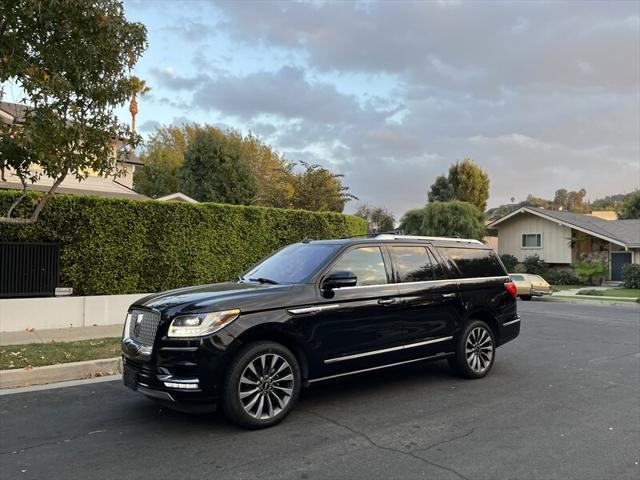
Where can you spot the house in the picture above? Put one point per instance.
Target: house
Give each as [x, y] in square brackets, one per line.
[561, 238]
[121, 187]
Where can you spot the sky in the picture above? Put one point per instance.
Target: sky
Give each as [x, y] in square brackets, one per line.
[542, 95]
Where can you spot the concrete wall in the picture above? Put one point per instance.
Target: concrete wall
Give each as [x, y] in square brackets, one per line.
[555, 238]
[18, 314]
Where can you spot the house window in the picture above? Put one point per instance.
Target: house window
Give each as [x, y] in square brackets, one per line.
[531, 240]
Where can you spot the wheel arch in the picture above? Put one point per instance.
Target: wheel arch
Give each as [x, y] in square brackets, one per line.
[487, 317]
[275, 333]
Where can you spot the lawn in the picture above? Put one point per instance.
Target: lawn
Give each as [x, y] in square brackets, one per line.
[40, 354]
[616, 292]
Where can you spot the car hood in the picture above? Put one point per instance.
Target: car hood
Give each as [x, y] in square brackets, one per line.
[218, 296]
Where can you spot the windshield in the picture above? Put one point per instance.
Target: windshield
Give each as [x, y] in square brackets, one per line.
[293, 264]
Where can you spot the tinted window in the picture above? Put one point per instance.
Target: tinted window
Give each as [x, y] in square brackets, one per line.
[474, 262]
[366, 263]
[414, 264]
[293, 264]
[517, 278]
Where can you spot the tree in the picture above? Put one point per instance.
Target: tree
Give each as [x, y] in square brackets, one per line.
[445, 219]
[213, 170]
[561, 197]
[138, 87]
[162, 158]
[378, 218]
[318, 189]
[466, 182]
[630, 207]
[576, 203]
[70, 61]
[441, 190]
[469, 183]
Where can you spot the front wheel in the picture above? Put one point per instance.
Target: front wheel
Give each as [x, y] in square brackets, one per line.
[261, 386]
[475, 351]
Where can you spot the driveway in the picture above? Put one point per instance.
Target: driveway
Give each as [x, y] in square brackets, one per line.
[561, 402]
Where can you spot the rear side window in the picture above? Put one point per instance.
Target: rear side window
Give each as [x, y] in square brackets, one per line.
[414, 264]
[366, 263]
[517, 278]
[475, 262]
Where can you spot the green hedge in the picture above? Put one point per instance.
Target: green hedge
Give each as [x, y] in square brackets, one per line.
[114, 246]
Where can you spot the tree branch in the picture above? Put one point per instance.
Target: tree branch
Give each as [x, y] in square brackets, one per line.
[36, 211]
[20, 198]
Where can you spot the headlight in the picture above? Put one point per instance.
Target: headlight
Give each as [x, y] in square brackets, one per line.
[198, 325]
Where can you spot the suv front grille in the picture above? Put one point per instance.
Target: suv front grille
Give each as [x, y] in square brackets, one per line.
[143, 326]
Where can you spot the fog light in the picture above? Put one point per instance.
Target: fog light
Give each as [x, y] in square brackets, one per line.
[182, 386]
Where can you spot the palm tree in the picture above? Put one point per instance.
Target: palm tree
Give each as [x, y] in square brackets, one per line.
[138, 87]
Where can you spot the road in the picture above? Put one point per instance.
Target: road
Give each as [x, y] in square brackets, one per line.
[562, 402]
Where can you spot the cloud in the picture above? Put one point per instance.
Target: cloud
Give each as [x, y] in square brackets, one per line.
[543, 95]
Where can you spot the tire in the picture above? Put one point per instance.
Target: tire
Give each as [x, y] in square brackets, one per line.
[261, 386]
[477, 363]
[525, 297]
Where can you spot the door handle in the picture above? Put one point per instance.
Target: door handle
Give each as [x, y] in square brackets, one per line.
[448, 295]
[387, 301]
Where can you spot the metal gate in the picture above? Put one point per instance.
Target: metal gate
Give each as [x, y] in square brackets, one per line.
[29, 269]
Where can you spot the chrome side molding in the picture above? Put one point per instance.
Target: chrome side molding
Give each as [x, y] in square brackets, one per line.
[431, 357]
[386, 350]
[506, 324]
[312, 310]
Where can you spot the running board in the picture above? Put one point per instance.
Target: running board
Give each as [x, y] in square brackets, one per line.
[364, 370]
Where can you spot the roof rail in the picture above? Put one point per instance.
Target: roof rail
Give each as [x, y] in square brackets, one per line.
[386, 236]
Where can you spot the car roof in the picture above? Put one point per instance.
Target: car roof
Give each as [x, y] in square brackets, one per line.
[391, 239]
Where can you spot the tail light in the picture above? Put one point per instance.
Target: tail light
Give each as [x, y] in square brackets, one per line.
[511, 288]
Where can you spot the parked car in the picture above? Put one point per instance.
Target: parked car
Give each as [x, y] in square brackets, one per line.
[315, 311]
[528, 285]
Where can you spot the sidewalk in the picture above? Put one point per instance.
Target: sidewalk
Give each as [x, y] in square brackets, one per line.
[60, 334]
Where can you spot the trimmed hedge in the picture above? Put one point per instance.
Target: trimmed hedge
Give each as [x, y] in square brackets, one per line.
[116, 246]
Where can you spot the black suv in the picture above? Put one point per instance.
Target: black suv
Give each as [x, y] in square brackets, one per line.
[315, 311]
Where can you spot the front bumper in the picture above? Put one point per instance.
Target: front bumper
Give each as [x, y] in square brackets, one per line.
[540, 293]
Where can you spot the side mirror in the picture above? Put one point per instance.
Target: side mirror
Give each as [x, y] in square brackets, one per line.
[339, 279]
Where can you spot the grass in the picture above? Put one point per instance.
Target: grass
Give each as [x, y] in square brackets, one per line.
[615, 292]
[40, 354]
[597, 299]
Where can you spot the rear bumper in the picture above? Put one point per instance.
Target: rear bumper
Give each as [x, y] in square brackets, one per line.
[509, 329]
[540, 293]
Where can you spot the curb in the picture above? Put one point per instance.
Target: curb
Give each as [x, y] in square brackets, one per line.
[587, 301]
[22, 377]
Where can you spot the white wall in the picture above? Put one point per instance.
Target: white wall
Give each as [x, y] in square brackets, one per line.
[555, 238]
[18, 314]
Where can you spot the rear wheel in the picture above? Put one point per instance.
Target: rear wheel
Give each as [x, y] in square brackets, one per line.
[475, 351]
[261, 386]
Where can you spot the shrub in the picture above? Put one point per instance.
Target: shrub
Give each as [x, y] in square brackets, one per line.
[115, 246]
[562, 277]
[509, 261]
[535, 265]
[520, 268]
[590, 292]
[588, 269]
[631, 275]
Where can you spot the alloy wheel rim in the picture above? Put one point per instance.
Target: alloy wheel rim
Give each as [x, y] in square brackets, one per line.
[266, 386]
[479, 350]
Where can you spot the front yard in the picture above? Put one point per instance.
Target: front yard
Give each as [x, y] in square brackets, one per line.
[40, 354]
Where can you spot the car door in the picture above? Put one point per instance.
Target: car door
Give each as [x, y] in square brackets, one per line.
[355, 323]
[430, 304]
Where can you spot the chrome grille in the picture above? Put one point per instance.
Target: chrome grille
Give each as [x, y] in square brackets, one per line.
[143, 326]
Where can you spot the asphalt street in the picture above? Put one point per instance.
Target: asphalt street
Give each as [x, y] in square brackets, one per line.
[562, 402]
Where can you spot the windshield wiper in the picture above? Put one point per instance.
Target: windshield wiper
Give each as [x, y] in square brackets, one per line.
[264, 280]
